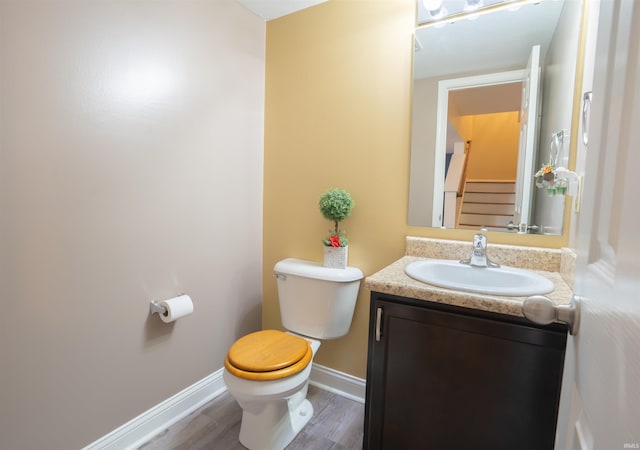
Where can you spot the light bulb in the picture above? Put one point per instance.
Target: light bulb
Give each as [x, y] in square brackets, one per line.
[439, 13]
[432, 5]
[472, 5]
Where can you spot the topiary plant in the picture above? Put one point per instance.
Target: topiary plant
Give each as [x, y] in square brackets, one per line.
[336, 205]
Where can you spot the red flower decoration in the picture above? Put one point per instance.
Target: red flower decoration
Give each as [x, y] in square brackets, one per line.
[334, 240]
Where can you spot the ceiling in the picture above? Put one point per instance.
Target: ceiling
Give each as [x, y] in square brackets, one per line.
[272, 9]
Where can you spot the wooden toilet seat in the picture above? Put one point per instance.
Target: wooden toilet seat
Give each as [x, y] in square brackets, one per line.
[268, 355]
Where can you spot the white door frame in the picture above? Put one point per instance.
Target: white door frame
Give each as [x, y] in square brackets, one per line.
[528, 140]
[444, 86]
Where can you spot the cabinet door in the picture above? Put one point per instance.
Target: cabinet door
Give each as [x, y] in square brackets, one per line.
[441, 380]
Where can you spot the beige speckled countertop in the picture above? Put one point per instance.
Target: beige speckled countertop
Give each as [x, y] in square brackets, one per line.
[392, 279]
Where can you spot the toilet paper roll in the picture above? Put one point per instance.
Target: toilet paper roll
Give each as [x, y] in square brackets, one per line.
[176, 307]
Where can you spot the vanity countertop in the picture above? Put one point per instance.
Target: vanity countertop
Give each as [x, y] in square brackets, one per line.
[392, 280]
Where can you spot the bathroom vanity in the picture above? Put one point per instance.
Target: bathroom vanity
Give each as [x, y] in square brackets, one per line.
[456, 370]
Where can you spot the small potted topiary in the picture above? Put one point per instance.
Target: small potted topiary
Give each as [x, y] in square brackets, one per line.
[335, 205]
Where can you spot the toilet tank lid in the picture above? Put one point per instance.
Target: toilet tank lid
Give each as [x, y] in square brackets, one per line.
[312, 269]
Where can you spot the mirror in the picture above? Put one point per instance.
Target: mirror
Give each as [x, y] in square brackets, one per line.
[471, 116]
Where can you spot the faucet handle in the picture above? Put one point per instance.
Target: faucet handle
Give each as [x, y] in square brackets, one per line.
[479, 256]
[479, 243]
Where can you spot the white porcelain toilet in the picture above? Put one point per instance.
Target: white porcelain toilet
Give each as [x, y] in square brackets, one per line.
[267, 372]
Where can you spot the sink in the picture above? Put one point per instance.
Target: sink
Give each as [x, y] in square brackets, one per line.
[501, 280]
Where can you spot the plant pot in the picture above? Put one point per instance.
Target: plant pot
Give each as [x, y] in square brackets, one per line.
[336, 257]
[549, 176]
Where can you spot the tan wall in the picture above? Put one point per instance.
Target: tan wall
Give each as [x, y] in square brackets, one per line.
[338, 82]
[494, 147]
[130, 170]
[463, 126]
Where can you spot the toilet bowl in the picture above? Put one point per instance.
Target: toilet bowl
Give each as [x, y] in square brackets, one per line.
[273, 410]
[267, 372]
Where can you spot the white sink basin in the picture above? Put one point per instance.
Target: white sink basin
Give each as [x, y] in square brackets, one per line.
[483, 280]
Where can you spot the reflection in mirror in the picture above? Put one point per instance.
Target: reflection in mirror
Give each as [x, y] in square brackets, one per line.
[474, 115]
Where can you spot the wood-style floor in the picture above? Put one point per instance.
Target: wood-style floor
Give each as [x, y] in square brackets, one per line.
[337, 424]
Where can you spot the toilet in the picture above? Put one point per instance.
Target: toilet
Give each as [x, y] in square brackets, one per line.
[267, 372]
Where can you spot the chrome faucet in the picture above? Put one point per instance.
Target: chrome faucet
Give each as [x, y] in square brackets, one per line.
[479, 256]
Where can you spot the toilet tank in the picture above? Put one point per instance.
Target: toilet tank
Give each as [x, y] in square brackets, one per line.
[316, 301]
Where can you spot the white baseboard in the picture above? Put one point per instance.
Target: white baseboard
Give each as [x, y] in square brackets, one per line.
[152, 422]
[338, 382]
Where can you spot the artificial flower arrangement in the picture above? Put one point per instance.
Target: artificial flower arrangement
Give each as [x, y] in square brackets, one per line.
[547, 173]
[336, 205]
[547, 177]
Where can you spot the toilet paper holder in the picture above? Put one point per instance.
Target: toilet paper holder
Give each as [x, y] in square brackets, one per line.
[157, 307]
[172, 309]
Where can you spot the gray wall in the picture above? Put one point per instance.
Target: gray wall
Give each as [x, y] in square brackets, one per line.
[131, 146]
[423, 138]
[558, 78]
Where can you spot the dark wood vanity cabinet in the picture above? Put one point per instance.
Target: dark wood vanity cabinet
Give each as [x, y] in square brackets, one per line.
[444, 378]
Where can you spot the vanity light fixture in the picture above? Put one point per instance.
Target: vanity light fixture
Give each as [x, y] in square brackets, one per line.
[473, 5]
[472, 10]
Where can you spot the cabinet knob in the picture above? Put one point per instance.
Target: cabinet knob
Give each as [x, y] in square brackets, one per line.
[541, 310]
